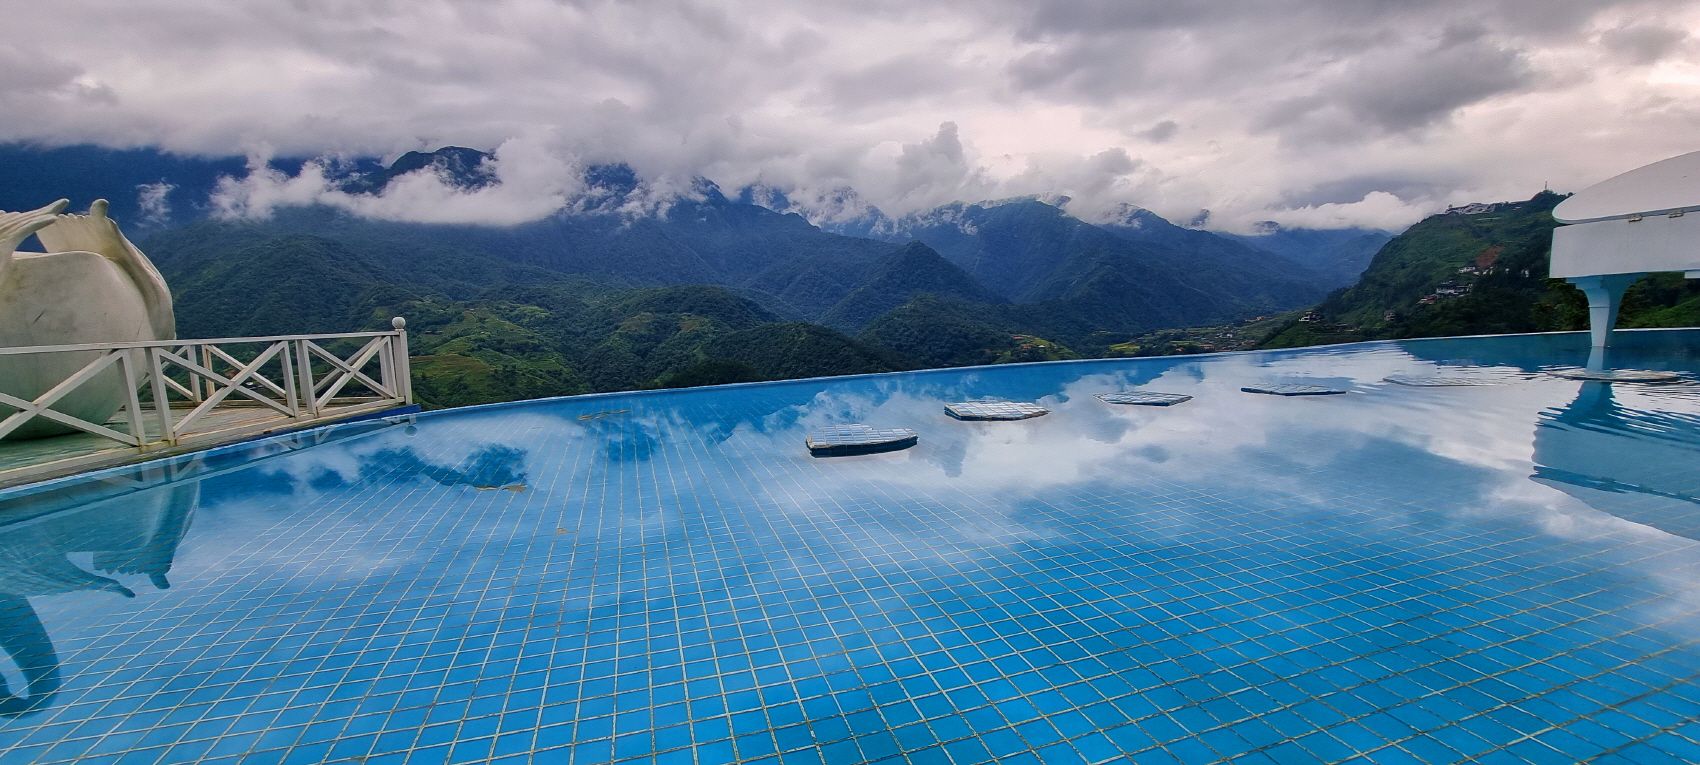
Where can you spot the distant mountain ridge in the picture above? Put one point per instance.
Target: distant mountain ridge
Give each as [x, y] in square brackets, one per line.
[567, 303]
[1125, 278]
[1338, 255]
[913, 269]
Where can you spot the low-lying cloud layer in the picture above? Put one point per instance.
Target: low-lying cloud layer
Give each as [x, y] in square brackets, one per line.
[1306, 112]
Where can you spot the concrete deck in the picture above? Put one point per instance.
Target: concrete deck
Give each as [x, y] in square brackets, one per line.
[40, 459]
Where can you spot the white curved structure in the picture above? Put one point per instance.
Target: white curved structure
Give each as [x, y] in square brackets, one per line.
[1624, 228]
[91, 286]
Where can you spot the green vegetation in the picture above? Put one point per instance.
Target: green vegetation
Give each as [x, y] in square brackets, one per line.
[1171, 342]
[504, 348]
[945, 332]
[912, 270]
[711, 372]
[1033, 348]
[542, 332]
[1471, 274]
[514, 342]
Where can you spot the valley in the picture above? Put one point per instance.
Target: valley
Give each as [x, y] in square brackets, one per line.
[711, 288]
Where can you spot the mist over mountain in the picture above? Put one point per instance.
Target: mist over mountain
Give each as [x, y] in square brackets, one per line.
[1337, 255]
[543, 305]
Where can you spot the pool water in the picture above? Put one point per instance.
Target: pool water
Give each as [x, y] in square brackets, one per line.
[1501, 572]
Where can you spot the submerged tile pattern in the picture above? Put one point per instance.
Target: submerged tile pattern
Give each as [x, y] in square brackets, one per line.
[1292, 390]
[1440, 381]
[680, 584]
[1618, 375]
[1143, 398]
[856, 438]
[995, 410]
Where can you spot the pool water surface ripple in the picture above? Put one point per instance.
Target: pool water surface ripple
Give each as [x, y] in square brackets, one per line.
[1502, 572]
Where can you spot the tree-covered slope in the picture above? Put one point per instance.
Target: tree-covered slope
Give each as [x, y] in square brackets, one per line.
[282, 286]
[944, 331]
[1475, 273]
[1337, 256]
[1130, 280]
[1260, 279]
[913, 269]
[799, 349]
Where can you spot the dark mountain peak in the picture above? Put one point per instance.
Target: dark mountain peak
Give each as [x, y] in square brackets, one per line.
[618, 179]
[915, 253]
[1135, 217]
[765, 196]
[708, 193]
[912, 269]
[463, 168]
[915, 267]
[1337, 255]
[461, 162]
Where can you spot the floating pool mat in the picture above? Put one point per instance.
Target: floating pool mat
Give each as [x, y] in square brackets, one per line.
[1438, 381]
[1292, 390]
[1617, 375]
[995, 410]
[856, 438]
[1143, 398]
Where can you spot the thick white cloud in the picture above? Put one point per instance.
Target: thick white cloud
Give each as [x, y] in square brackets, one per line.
[530, 182]
[1254, 109]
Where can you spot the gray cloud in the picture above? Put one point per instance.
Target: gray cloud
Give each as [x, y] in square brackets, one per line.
[1643, 43]
[1406, 106]
[1354, 188]
[1416, 87]
[1159, 132]
[27, 73]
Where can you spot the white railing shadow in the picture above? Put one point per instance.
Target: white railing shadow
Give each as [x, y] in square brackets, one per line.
[295, 376]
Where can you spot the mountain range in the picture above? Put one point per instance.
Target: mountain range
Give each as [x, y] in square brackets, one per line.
[705, 287]
[1476, 270]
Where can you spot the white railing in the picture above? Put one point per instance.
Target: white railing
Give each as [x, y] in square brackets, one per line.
[197, 376]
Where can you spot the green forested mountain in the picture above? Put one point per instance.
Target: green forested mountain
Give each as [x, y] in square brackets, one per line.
[913, 269]
[626, 290]
[943, 331]
[1477, 273]
[1144, 275]
[1338, 256]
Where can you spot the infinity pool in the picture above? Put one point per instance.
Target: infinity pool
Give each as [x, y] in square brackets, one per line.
[1504, 571]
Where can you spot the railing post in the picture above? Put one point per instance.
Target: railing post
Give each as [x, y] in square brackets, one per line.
[207, 361]
[292, 398]
[404, 373]
[386, 367]
[304, 369]
[133, 404]
[195, 393]
[161, 399]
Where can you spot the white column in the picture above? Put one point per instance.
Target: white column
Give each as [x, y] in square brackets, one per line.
[1605, 295]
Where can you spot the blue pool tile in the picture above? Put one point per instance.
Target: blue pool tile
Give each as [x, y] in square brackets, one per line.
[680, 584]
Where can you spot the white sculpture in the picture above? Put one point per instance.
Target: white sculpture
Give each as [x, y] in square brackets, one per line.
[91, 286]
[1624, 228]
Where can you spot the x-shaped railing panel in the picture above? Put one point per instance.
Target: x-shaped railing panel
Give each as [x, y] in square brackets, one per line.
[224, 386]
[27, 410]
[149, 366]
[343, 372]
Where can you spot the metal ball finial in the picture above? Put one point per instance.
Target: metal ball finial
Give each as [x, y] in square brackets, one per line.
[398, 322]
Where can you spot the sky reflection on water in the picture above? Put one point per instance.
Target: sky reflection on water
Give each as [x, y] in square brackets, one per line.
[387, 579]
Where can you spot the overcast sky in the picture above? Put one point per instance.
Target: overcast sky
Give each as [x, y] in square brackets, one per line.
[1308, 112]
